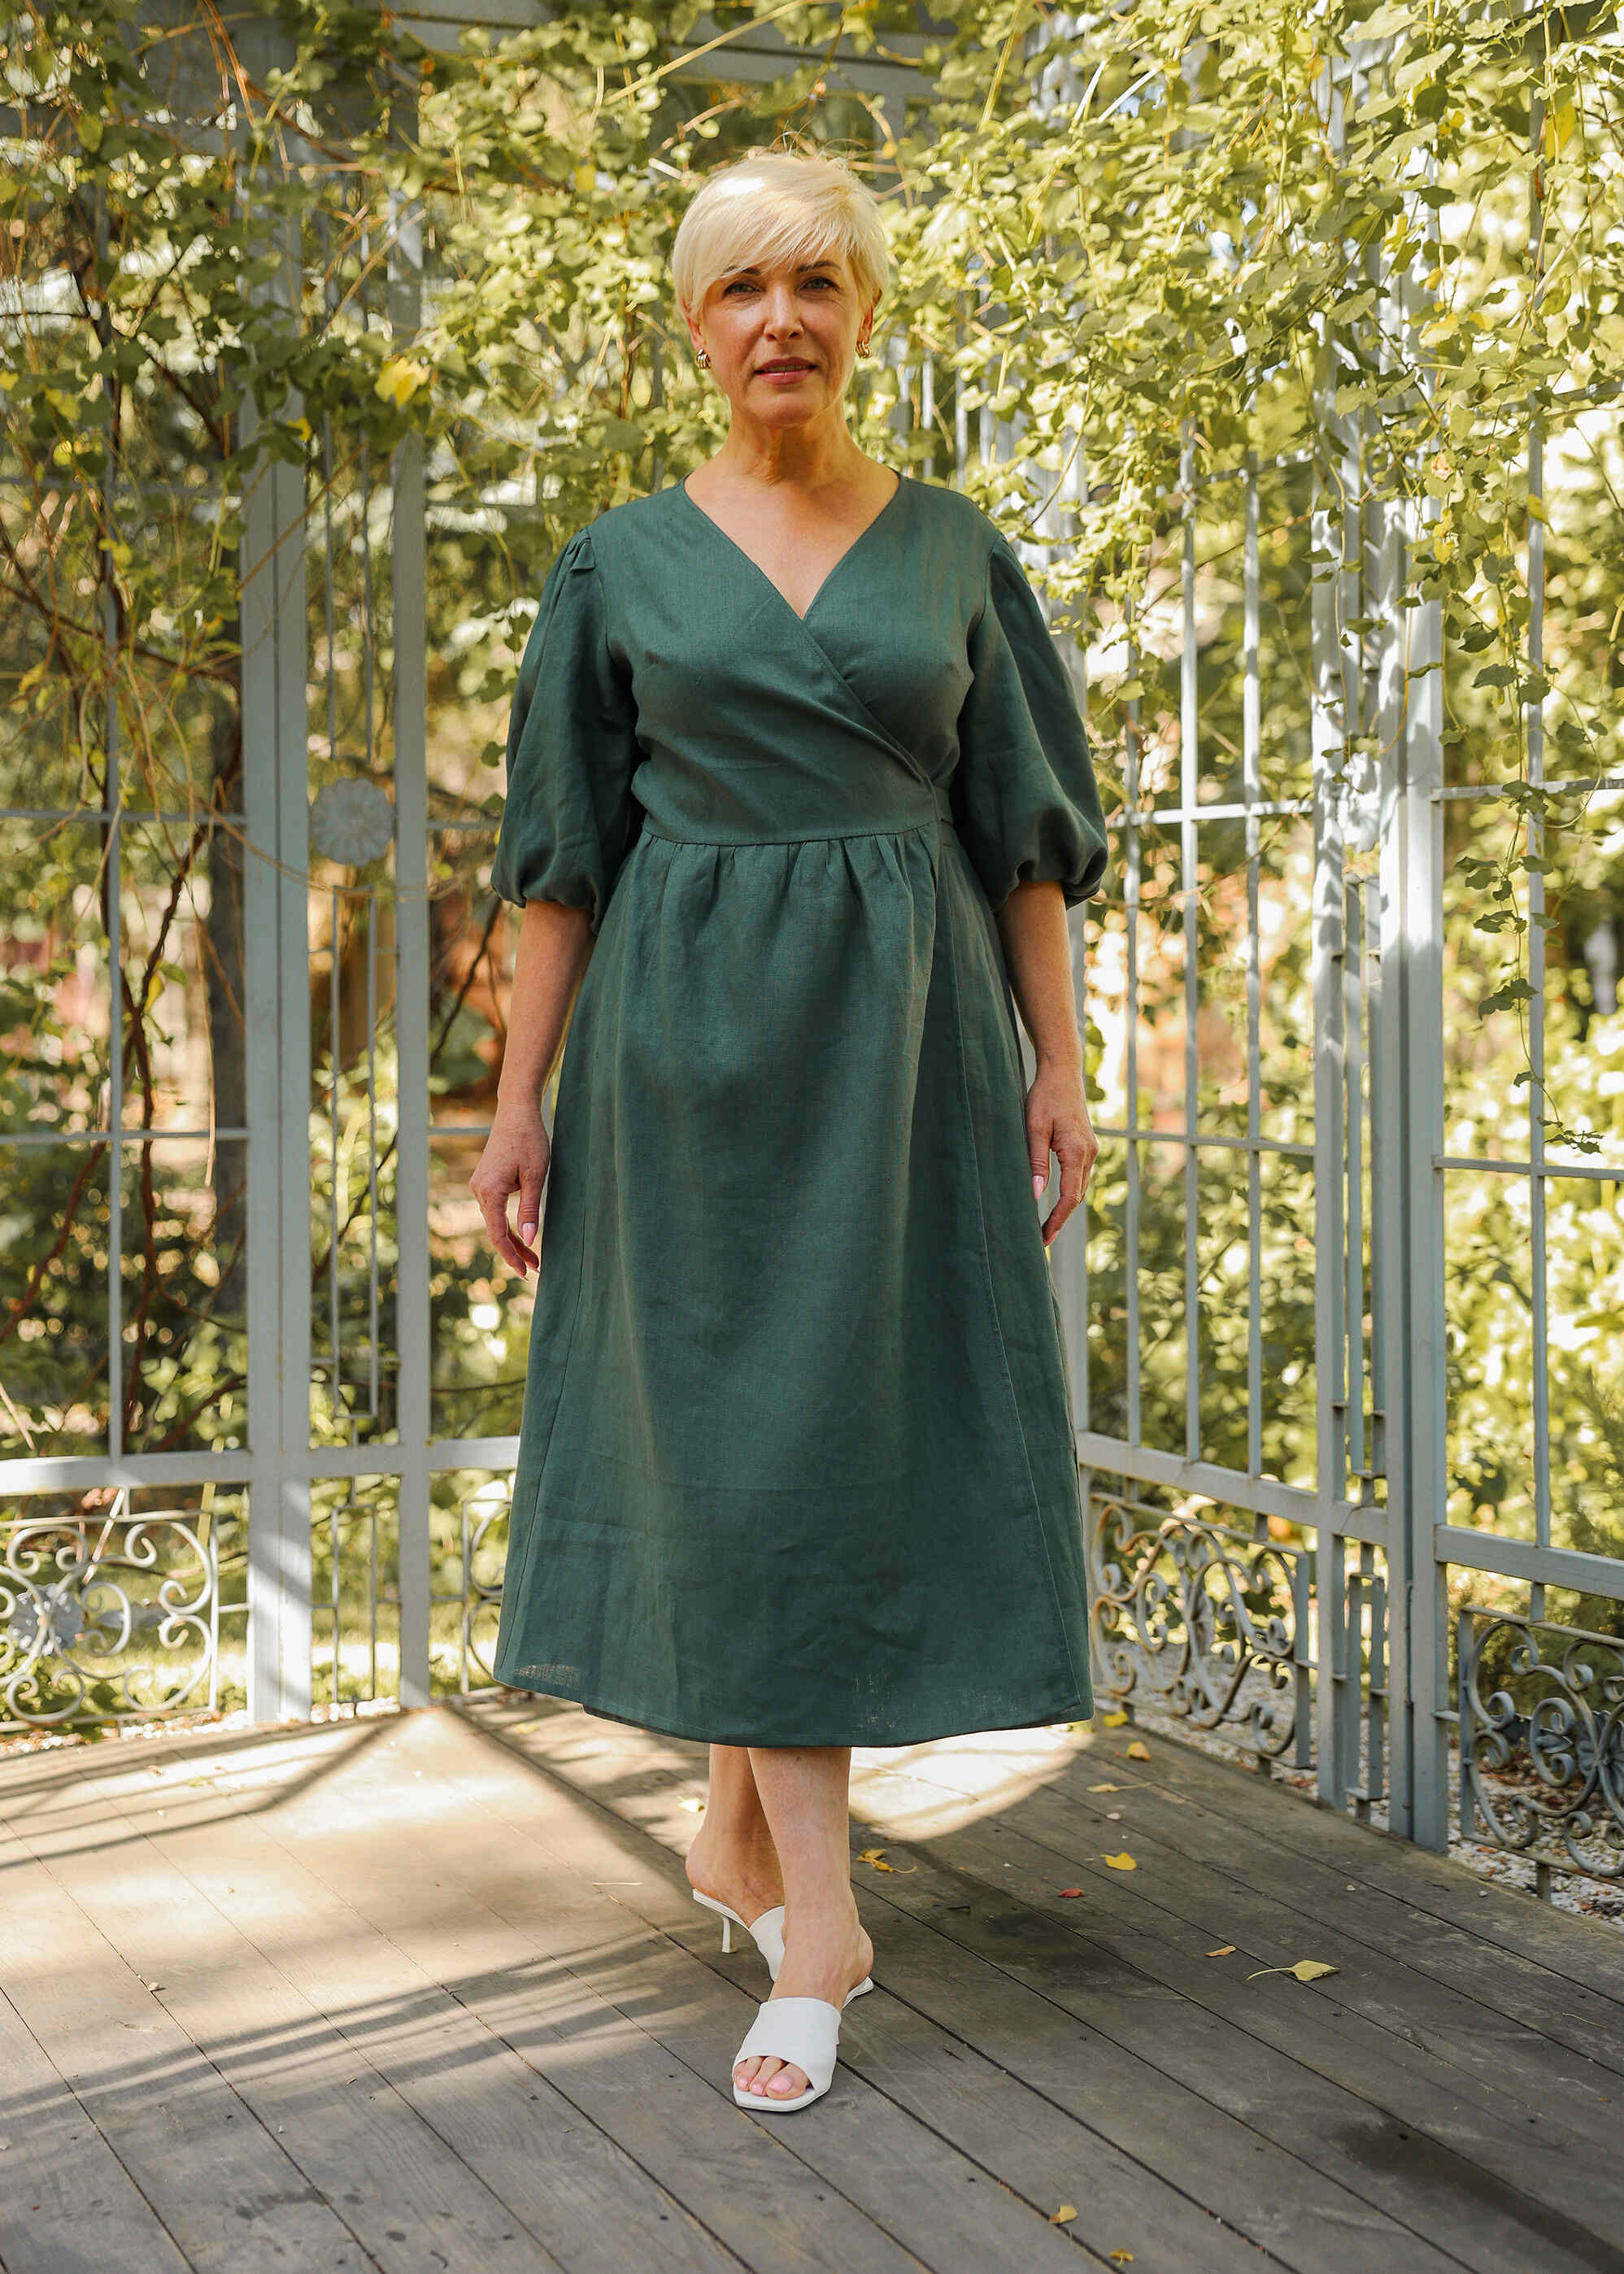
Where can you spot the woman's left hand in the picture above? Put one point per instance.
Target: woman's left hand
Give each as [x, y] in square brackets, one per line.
[1058, 1122]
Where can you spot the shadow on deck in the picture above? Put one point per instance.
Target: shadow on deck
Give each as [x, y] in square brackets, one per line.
[428, 1992]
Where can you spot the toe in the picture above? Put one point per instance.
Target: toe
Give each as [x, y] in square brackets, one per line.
[788, 2083]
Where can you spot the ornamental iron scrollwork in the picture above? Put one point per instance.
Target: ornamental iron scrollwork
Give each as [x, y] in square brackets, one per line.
[1200, 1620]
[484, 1557]
[475, 1566]
[107, 1617]
[1542, 1740]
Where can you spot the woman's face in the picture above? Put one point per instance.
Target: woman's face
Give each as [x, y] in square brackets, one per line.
[782, 340]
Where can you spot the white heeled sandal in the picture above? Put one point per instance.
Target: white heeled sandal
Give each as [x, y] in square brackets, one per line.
[805, 2031]
[767, 1933]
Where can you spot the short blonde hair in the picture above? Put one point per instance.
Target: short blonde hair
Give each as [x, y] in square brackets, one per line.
[778, 205]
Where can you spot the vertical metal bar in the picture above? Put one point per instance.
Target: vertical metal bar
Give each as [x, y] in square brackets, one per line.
[414, 1404]
[1427, 1642]
[1353, 1107]
[334, 1591]
[1376, 1769]
[1188, 877]
[369, 638]
[468, 1590]
[1467, 1816]
[1331, 730]
[294, 1082]
[274, 641]
[261, 1012]
[1347, 1695]
[1131, 1054]
[1384, 923]
[1417, 1726]
[113, 892]
[1252, 740]
[336, 1209]
[371, 1152]
[1534, 717]
[372, 1600]
[1401, 1144]
[1302, 1659]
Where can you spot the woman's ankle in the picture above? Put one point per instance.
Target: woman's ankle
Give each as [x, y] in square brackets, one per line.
[740, 1860]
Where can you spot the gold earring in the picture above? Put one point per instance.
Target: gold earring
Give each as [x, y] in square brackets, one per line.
[863, 348]
[703, 355]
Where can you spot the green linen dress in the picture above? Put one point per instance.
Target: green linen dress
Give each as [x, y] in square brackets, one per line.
[797, 1464]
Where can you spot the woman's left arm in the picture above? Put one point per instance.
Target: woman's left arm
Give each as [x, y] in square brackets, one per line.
[1037, 951]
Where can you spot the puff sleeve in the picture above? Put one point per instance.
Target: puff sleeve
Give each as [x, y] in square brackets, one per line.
[569, 820]
[1024, 796]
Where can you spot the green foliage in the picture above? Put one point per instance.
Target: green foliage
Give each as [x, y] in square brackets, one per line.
[1358, 252]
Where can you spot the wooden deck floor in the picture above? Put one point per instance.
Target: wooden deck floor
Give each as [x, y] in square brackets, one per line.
[427, 1992]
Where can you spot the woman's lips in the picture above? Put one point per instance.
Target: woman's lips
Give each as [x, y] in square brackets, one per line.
[799, 371]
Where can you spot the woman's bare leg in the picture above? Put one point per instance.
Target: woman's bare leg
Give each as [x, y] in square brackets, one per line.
[732, 1856]
[804, 1792]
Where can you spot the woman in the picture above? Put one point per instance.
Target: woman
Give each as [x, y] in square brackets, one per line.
[797, 1470]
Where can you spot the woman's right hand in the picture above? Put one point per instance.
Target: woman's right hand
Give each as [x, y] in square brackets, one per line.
[515, 1159]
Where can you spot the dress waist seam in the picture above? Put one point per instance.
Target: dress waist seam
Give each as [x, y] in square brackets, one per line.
[811, 837]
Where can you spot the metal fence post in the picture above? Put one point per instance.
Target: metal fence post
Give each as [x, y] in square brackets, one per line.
[276, 1012]
[413, 1406]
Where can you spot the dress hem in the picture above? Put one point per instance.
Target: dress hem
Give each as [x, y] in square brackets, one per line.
[1076, 1711]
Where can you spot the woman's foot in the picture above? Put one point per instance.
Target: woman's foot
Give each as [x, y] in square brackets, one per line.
[825, 1956]
[741, 1870]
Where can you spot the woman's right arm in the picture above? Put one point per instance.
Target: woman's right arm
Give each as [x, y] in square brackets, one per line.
[555, 945]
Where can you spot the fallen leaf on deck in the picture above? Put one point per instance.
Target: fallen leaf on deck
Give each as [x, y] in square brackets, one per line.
[1137, 1751]
[1123, 1863]
[1073, 1891]
[1122, 2257]
[1112, 1720]
[1059, 2217]
[694, 1807]
[1306, 1970]
[1108, 1788]
[1224, 1950]
[875, 1856]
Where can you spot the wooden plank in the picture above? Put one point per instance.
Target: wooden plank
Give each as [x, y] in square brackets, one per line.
[67, 2205]
[1582, 1950]
[968, 1982]
[1471, 2204]
[1479, 2135]
[220, 2184]
[1469, 2170]
[1190, 1877]
[1532, 1996]
[525, 1866]
[414, 2206]
[588, 2200]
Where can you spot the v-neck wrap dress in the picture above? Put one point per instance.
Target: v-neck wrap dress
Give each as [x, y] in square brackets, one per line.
[797, 1464]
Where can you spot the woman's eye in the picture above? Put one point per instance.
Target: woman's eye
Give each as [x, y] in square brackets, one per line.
[744, 284]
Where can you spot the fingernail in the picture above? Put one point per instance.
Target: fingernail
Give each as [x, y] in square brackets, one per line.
[1038, 1184]
[527, 1232]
